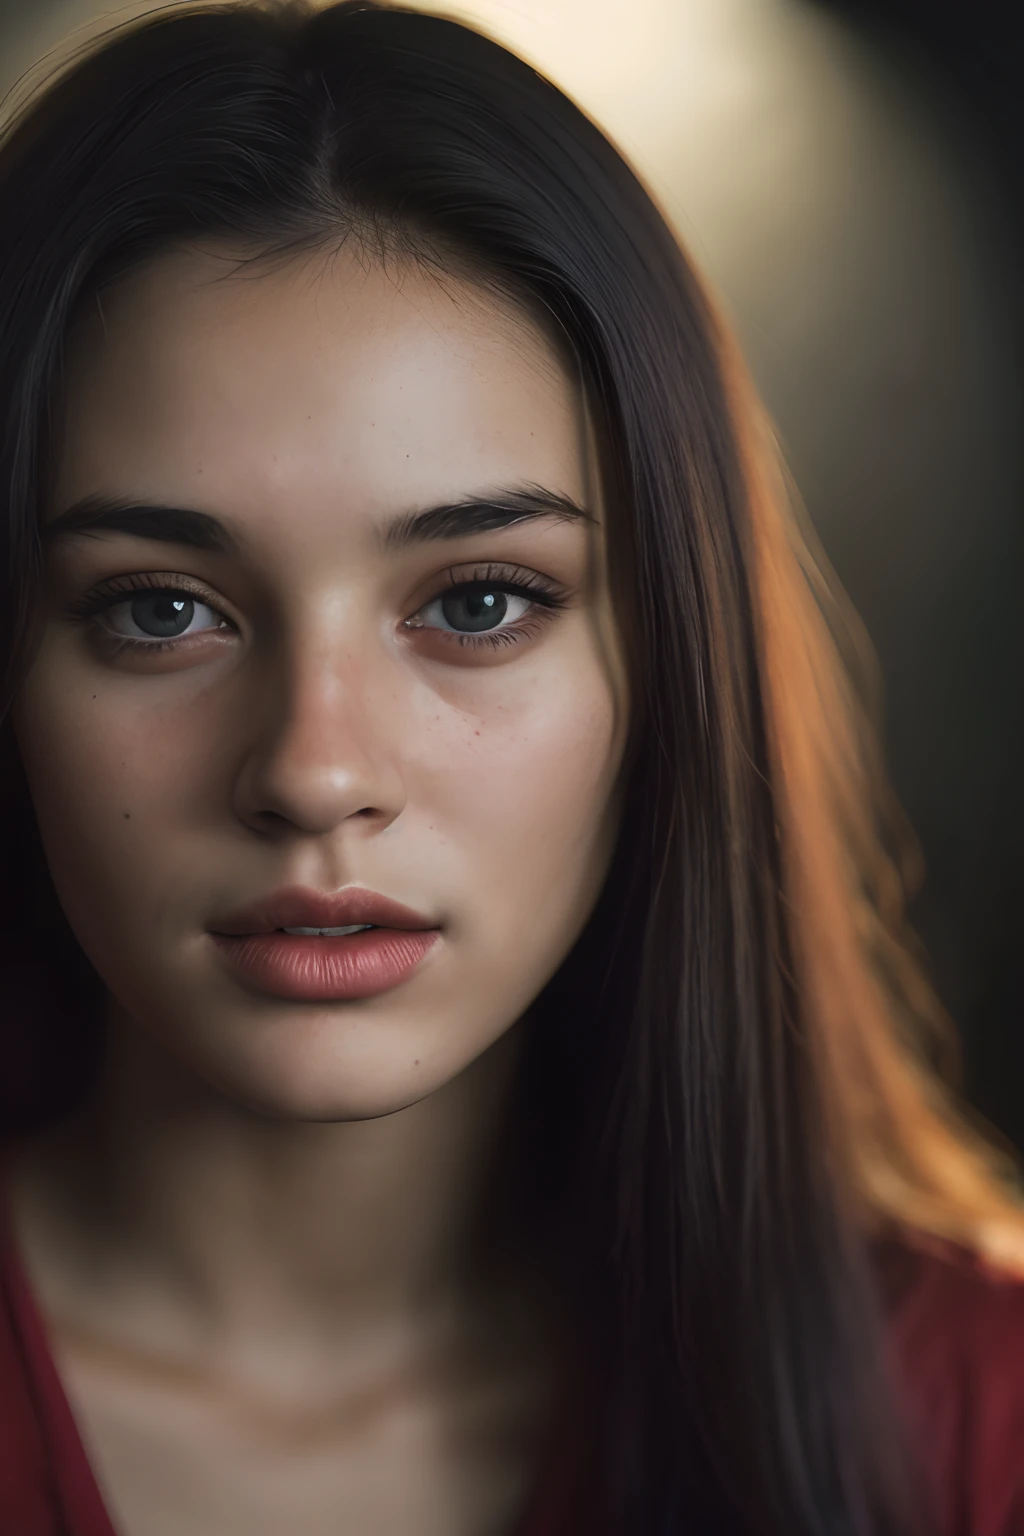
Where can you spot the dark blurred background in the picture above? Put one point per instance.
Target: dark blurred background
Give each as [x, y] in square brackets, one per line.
[848, 173]
[939, 580]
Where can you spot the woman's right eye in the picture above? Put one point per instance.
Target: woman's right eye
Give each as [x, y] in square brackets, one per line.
[162, 615]
[147, 615]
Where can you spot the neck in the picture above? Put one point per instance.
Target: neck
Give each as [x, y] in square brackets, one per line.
[245, 1223]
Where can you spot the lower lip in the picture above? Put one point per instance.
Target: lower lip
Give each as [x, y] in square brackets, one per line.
[308, 969]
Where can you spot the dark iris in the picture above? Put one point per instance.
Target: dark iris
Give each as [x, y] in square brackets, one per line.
[162, 613]
[474, 608]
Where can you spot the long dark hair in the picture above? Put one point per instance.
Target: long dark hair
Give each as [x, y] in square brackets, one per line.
[740, 1029]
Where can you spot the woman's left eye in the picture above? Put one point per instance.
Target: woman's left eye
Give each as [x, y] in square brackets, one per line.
[476, 609]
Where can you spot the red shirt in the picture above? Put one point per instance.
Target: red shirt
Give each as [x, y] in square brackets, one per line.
[956, 1328]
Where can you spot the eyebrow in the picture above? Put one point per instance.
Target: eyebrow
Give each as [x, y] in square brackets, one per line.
[97, 514]
[481, 514]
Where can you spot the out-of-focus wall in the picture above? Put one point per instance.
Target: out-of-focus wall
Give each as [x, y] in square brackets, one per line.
[855, 229]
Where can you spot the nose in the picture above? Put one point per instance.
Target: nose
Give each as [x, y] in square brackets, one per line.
[322, 746]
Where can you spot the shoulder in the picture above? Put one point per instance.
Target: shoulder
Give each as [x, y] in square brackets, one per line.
[956, 1333]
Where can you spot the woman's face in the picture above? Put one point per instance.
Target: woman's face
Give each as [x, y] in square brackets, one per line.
[322, 683]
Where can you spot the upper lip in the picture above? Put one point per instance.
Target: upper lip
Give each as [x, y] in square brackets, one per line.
[300, 907]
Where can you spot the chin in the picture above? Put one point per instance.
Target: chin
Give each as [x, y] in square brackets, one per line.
[321, 1106]
[301, 1086]
[312, 1066]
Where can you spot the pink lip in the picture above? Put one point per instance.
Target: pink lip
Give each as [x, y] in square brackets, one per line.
[299, 907]
[316, 969]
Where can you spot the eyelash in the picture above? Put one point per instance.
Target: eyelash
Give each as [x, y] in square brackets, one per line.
[545, 596]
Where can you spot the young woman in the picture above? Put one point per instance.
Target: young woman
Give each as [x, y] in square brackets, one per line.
[466, 1069]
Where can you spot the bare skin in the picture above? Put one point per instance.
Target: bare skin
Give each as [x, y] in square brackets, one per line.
[258, 1250]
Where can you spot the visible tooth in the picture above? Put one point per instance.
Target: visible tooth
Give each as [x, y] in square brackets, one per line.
[330, 933]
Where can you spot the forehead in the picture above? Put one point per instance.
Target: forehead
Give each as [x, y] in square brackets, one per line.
[323, 377]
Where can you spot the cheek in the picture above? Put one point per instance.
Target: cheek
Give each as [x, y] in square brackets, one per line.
[524, 790]
[107, 776]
